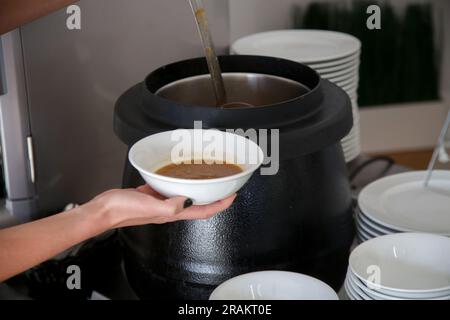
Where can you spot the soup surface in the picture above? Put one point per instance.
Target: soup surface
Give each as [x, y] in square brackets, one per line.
[199, 171]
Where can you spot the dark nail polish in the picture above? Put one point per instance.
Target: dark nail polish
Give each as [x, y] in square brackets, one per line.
[188, 203]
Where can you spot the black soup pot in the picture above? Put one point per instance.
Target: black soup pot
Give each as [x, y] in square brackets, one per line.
[299, 219]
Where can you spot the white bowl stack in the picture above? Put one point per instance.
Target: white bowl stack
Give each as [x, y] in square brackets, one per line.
[334, 55]
[402, 266]
[401, 203]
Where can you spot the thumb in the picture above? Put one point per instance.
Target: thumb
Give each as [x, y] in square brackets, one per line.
[178, 204]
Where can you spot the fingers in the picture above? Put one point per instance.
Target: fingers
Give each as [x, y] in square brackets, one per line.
[179, 208]
[205, 212]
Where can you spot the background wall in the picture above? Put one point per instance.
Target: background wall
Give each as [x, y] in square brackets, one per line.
[75, 77]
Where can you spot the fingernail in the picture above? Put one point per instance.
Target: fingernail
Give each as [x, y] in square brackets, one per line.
[188, 203]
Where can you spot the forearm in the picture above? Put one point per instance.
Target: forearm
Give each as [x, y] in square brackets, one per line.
[14, 13]
[25, 246]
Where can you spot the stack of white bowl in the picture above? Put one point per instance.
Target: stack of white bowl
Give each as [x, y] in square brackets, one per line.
[402, 203]
[334, 55]
[402, 266]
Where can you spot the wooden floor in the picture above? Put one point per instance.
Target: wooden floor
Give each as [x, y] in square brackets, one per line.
[416, 159]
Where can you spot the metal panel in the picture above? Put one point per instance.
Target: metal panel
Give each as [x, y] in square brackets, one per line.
[15, 130]
[74, 78]
[2, 71]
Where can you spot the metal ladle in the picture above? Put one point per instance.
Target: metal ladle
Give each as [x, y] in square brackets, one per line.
[198, 9]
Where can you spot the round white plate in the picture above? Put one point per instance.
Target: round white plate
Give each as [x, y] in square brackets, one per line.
[343, 66]
[328, 75]
[333, 63]
[404, 263]
[403, 203]
[364, 235]
[354, 97]
[349, 82]
[351, 88]
[379, 228]
[306, 46]
[350, 141]
[371, 232]
[349, 145]
[347, 78]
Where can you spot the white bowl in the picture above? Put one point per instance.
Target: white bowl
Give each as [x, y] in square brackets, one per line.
[408, 264]
[375, 295]
[158, 150]
[273, 285]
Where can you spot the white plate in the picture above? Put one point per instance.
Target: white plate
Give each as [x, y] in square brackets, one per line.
[351, 88]
[348, 78]
[354, 82]
[350, 142]
[351, 70]
[416, 263]
[306, 46]
[352, 155]
[363, 227]
[350, 146]
[339, 67]
[338, 62]
[364, 235]
[379, 228]
[401, 202]
[273, 285]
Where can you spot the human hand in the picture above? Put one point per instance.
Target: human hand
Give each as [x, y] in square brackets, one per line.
[130, 207]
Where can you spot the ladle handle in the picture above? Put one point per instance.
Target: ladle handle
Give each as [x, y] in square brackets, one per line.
[213, 63]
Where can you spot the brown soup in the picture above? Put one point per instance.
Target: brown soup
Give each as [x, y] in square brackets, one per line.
[199, 171]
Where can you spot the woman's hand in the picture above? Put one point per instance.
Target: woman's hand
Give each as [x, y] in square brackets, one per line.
[143, 205]
[26, 245]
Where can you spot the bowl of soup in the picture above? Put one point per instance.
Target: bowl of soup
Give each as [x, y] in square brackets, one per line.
[203, 165]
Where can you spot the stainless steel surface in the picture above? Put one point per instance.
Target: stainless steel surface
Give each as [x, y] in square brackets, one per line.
[2, 71]
[437, 149]
[255, 89]
[74, 78]
[15, 129]
[31, 159]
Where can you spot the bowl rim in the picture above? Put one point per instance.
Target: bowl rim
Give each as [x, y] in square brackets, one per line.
[154, 175]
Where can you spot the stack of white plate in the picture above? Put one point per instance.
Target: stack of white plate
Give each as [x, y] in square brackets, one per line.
[402, 266]
[401, 203]
[334, 55]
